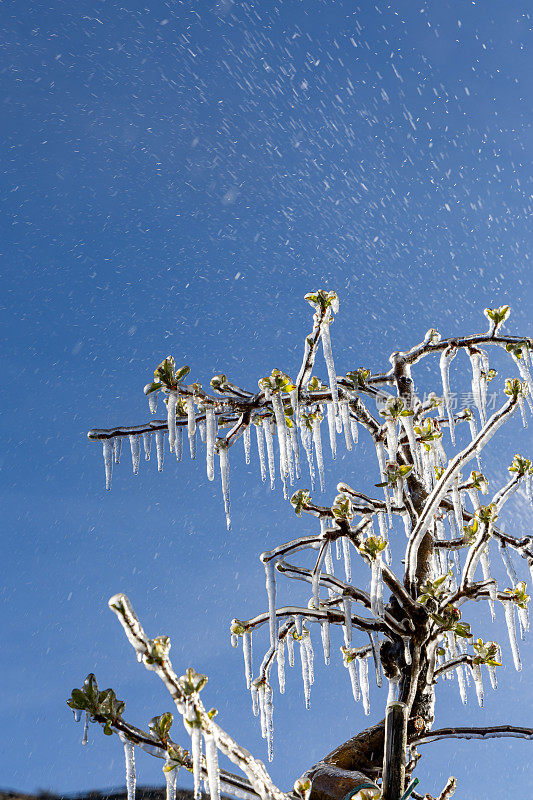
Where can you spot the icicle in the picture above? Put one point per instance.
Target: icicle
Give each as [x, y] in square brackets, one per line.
[345, 417]
[85, 739]
[492, 670]
[353, 430]
[295, 447]
[281, 665]
[267, 430]
[308, 644]
[328, 560]
[129, 755]
[330, 411]
[202, 430]
[135, 446]
[328, 357]
[462, 685]
[234, 640]
[384, 535]
[478, 682]
[178, 444]
[525, 374]
[364, 683]
[191, 425]
[377, 659]
[261, 451]
[170, 778]
[409, 428]
[347, 627]
[268, 706]
[147, 445]
[508, 606]
[376, 588]
[77, 715]
[477, 365]
[318, 450]
[380, 451]
[152, 402]
[523, 619]
[224, 474]
[210, 435]
[509, 568]
[290, 648]
[107, 445]
[347, 558]
[354, 680]
[255, 699]
[270, 576]
[295, 403]
[392, 438]
[305, 674]
[326, 641]
[446, 358]
[247, 442]
[172, 400]
[247, 653]
[308, 444]
[160, 449]
[485, 566]
[196, 753]
[117, 447]
[281, 429]
[338, 548]
[406, 519]
[457, 506]
[427, 476]
[213, 774]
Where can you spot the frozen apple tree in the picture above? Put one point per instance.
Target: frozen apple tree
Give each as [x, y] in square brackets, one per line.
[410, 629]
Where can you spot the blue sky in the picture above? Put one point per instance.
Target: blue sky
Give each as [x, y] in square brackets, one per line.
[175, 177]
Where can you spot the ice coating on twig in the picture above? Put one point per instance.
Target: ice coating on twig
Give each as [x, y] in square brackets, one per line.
[210, 436]
[135, 446]
[160, 449]
[317, 441]
[129, 755]
[445, 360]
[508, 606]
[213, 773]
[107, 447]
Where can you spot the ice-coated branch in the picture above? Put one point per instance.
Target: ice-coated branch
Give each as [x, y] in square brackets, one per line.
[494, 732]
[332, 615]
[154, 654]
[453, 664]
[442, 486]
[432, 346]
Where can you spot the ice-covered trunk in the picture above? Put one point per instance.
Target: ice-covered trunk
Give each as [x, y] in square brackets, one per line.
[210, 435]
[191, 425]
[129, 755]
[211, 758]
[318, 450]
[445, 360]
[270, 450]
[135, 446]
[172, 400]
[107, 445]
